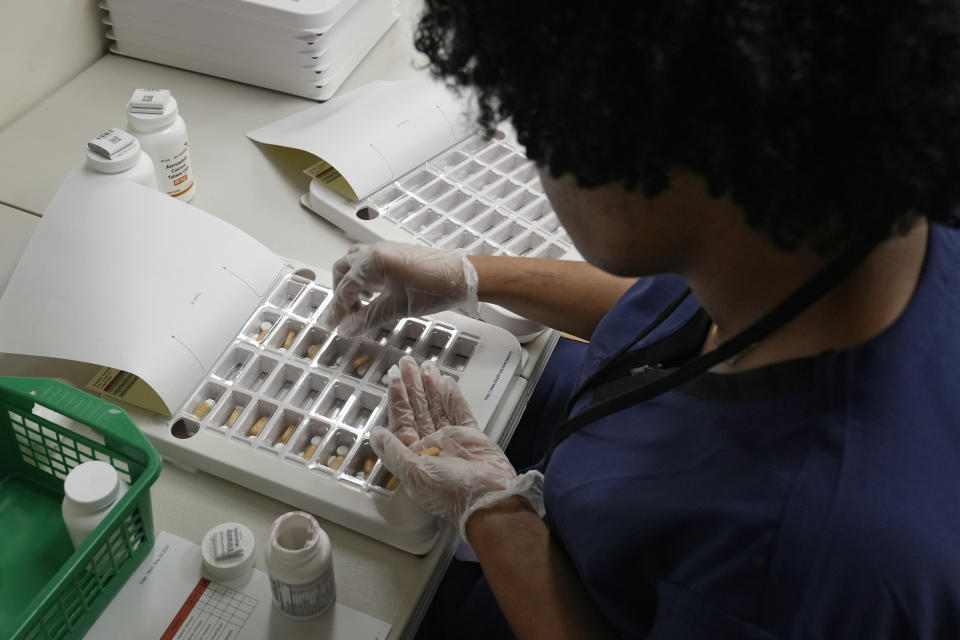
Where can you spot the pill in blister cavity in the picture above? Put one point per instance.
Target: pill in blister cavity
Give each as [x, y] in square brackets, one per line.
[334, 462]
[289, 340]
[392, 483]
[277, 445]
[430, 451]
[258, 426]
[361, 475]
[287, 433]
[201, 409]
[312, 350]
[234, 415]
[360, 361]
[264, 328]
[392, 372]
[362, 370]
[342, 450]
[314, 443]
[368, 464]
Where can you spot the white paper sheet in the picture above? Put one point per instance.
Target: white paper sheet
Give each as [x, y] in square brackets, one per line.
[166, 598]
[378, 132]
[120, 275]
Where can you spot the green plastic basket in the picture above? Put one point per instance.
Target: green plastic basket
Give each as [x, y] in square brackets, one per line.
[48, 591]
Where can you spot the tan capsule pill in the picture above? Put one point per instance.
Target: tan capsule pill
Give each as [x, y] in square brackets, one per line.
[289, 341]
[264, 329]
[314, 443]
[430, 451]
[258, 426]
[392, 483]
[368, 464]
[336, 462]
[312, 350]
[234, 415]
[201, 409]
[287, 433]
[360, 360]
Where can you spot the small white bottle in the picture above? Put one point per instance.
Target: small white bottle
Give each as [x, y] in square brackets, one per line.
[90, 491]
[117, 154]
[300, 565]
[153, 116]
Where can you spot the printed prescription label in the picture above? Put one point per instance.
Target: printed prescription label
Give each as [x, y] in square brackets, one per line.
[304, 600]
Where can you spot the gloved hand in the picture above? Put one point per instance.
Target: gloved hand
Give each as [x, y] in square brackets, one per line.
[443, 460]
[411, 280]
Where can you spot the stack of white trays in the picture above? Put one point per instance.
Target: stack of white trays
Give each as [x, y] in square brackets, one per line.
[307, 48]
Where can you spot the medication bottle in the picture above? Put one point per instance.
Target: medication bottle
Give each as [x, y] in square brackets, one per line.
[228, 552]
[90, 491]
[300, 565]
[118, 154]
[153, 116]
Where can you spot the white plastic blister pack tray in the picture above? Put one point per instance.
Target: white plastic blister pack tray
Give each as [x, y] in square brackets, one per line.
[319, 392]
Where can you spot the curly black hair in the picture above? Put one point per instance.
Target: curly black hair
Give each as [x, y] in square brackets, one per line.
[825, 121]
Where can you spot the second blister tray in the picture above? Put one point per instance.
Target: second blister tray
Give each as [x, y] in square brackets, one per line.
[288, 396]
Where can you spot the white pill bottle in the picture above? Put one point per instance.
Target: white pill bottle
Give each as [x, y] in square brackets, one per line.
[154, 118]
[300, 564]
[90, 491]
[117, 154]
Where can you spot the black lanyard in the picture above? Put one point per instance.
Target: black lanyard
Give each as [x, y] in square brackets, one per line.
[642, 390]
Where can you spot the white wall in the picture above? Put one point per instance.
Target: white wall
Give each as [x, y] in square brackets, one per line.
[43, 44]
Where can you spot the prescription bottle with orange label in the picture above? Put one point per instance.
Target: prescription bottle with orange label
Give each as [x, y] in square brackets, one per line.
[154, 118]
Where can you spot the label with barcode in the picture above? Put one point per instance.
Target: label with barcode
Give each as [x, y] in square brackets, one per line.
[226, 543]
[149, 100]
[111, 142]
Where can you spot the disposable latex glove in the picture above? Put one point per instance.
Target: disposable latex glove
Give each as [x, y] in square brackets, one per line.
[469, 473]
[411, 280]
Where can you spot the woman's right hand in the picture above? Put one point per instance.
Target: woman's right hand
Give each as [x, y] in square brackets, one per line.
[411, 280]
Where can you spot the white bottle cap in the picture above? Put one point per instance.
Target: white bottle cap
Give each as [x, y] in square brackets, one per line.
[236, 557]
[121, 159]
[92, 485]
[153, 121]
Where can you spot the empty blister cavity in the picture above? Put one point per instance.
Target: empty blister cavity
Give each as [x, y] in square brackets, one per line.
[467, 171]
[334, 401]
[228, 414]
[473, 144]
[501, 190]
[305, 396]
[505, 233]
[494, 153]
[283, 381]
[485, 248]
[421, 221]
[311, 302]
[362, 409]
[550, 223]
[334, 354]
[487, 221]
[416, 179]
[470, 211]
[433, 190]
[335, 450]
[362, 463]
[378, 372]
[380, 335]
[485, 180]
[282, 431]
[460, 353]
[536, 211]
[257, 374]
[204, 400]
[232, 364]
[385, 197]
[552, 250]
[527, 245]
[311, 343]
[451, 201]
[408, 334]
[286, 293]
[436, 341]
[307, 441]
[520, 200]
[511, 163]
[461, 240]
[285, 335]
[259, 328]
[402, 210]
[527, 173]
[362, 359]
[439, 231]
[255, 421]
[448, 160]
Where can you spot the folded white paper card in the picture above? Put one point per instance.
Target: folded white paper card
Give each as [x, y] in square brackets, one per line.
[121, 275]
[378, 132]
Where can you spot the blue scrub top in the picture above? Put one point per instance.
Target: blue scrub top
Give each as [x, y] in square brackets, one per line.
[816, 498]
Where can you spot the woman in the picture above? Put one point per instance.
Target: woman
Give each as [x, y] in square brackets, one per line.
[761, 439]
